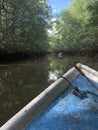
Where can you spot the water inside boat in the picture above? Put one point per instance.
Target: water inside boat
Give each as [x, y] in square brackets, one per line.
[69, 112]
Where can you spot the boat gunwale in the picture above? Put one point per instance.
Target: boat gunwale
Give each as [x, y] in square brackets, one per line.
[38, 104]
[89, 72]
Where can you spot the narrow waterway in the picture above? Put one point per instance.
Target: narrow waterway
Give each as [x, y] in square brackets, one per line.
[22, 81]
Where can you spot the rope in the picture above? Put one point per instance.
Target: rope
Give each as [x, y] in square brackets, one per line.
[67, 81]
[77, 92]
[82, 73]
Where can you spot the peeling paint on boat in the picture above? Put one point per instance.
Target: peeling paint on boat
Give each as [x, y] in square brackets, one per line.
[69, 112]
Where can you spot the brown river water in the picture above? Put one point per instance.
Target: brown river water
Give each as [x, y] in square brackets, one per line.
[22, 81]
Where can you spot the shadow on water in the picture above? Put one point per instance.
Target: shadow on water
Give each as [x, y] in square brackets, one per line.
[21, 82]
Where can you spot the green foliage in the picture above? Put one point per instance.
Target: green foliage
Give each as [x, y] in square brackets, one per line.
[78, 9]
[77, 28]
[23, 25]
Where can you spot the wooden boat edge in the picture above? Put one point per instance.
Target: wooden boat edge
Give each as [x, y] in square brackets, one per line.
[37, 105]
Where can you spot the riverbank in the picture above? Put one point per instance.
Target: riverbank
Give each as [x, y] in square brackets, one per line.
[88, 53]
[8, 56]
[12, 56]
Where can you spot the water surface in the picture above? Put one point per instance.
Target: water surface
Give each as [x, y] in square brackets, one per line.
[22, 81]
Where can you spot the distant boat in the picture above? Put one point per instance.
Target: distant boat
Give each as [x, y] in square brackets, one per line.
[70, 103]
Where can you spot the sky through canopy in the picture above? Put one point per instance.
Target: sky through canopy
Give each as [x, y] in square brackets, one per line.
[59, 5]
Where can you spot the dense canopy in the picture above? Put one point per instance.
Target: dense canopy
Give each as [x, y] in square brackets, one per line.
[77, 28]
[23, 26]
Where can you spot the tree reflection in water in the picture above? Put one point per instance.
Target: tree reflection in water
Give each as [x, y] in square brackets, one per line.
[52, 76]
